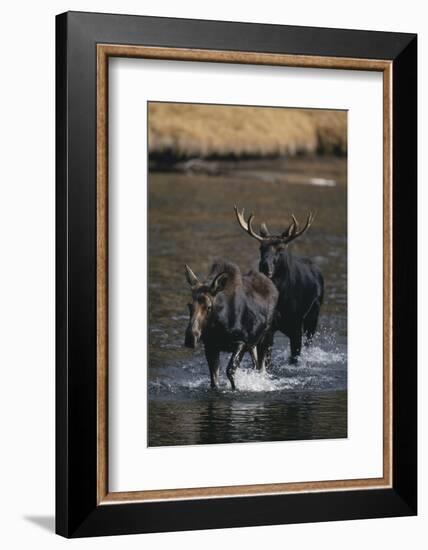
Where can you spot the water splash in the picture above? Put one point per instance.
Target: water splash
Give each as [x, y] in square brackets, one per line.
[313, 355]
[317, 369]
[247, 380]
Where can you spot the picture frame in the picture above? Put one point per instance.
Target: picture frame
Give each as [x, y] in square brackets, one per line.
[84, 44]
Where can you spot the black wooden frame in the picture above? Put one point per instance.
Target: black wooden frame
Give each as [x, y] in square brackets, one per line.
[77, 513]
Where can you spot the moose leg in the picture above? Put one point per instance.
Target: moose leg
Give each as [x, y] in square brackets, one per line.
[254, 358]
[264, 350]
[234, 363]
[310, 322]
[295, 345]
[213, 359]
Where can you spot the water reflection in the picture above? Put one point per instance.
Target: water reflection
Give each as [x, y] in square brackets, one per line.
[298, 415]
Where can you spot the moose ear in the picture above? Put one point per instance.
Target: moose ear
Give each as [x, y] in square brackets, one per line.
[219, 283]
[190, 276]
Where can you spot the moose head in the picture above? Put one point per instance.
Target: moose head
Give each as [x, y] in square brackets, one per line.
[202, 304]
[271, 246]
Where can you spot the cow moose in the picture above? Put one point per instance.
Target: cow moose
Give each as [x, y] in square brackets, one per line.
[230, 312]
[299, 281]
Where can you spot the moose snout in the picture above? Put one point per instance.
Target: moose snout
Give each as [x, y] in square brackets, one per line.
[266, 269]
[191, 338]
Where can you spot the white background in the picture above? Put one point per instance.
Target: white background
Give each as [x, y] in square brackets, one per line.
[27, 274]
[132, 82]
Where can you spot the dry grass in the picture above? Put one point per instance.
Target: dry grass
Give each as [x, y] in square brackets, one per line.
[187, 130]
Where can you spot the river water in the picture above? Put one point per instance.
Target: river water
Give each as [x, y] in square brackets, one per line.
[191, 221]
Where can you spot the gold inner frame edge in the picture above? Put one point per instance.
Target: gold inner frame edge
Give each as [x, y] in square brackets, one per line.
[104, 51]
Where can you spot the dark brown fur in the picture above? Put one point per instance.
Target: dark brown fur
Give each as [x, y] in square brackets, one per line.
[230, 312]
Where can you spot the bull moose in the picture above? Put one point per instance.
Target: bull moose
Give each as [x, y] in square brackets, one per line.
[298, 280]
[233, 313]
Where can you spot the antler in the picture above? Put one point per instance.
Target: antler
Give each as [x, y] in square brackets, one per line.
[247, 225]
[293, 231]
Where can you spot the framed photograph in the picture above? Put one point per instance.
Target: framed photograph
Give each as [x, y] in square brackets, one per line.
[236, 274]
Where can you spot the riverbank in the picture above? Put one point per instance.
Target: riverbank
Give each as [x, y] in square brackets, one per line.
[181, 131]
